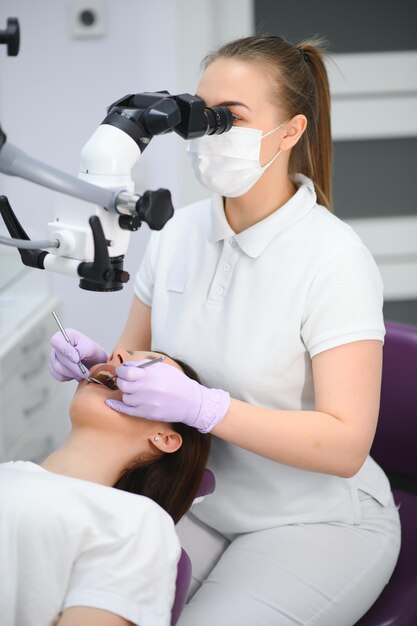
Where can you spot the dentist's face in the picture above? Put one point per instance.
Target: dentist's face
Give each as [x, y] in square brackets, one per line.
[245, 88]
[88, 407]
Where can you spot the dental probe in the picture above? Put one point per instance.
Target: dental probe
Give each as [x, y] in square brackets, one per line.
[81, 365]
[159, 358]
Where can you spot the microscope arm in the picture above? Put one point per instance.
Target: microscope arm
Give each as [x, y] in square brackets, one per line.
[15, 162]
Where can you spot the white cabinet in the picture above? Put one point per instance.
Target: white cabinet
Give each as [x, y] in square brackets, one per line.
[33, 406]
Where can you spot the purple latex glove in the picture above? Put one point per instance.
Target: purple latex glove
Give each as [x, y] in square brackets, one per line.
[164, 393]
[64, 358]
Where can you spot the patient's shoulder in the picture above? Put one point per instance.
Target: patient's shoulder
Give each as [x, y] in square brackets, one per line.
[46, 499]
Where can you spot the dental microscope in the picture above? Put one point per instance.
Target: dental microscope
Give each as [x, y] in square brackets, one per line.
[90, 234]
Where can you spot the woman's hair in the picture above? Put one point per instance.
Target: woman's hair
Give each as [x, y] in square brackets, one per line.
[172, 480]
[302, 86]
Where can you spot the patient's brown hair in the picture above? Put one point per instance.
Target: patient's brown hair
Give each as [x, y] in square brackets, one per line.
[172, 480]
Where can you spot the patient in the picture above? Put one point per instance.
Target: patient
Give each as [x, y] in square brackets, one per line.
[73, 549]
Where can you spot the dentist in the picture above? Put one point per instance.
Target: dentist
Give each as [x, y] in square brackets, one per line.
[277, 303]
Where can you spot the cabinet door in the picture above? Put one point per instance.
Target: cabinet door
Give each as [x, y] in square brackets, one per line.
[42, 436]
[33, 406]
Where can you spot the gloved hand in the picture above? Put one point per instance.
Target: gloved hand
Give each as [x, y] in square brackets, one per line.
[64, 358]
[163, 393]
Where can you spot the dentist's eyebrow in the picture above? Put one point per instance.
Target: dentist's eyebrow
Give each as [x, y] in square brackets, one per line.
[233, 103]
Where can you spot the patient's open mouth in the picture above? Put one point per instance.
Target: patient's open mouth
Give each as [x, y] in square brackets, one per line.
[106, 374]
[107, 379]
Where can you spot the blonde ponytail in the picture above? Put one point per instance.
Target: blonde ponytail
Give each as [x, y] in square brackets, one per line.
[313, 155]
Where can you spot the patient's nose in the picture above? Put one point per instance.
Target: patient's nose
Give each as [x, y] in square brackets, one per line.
[119, 356]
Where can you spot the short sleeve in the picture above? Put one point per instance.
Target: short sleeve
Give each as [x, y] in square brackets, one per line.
[130, 571]
[344, 302]
[145, 276]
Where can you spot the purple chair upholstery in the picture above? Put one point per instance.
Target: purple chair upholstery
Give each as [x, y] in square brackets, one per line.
[182, 586]
[207, 486]
[395, 450]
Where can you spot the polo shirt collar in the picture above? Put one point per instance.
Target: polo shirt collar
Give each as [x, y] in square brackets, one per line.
[255, 239]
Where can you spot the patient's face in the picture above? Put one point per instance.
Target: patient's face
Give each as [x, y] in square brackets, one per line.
[88, 407]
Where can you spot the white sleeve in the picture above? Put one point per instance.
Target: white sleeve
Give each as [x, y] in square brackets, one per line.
[344, 302]
[145, 275]
[132, 574]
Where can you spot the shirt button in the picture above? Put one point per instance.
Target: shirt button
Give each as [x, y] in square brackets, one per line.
[226, 267]
[233, 243]
[219, 290]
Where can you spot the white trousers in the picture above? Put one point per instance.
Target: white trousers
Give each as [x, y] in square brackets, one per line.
[326, 574]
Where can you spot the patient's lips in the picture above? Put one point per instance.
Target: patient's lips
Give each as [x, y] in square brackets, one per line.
[105, 373]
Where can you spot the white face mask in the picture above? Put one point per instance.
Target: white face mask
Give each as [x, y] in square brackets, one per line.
[228, 164]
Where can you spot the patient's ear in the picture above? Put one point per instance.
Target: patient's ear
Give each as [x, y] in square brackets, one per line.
[167, 442]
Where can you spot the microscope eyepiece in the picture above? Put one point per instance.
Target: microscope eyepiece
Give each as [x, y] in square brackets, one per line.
[219, 120]
[143, 115]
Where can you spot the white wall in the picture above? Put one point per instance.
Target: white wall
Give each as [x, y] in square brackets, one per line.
[54, 94]
[199, 30]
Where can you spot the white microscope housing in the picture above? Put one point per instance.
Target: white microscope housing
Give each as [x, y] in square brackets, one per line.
[106, 160]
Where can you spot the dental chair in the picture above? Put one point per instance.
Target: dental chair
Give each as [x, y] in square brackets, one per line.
[184, 564]
[395, 450]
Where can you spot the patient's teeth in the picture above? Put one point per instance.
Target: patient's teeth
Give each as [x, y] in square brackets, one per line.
[107, 379]
[104, 374]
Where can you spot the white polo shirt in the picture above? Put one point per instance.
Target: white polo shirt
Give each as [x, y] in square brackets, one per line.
[248, 311]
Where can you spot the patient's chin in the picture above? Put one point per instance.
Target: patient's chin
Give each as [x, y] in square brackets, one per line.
[89, 403]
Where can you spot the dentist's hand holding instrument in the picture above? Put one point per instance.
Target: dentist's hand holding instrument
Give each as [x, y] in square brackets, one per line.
[164, 393]
[74, 354]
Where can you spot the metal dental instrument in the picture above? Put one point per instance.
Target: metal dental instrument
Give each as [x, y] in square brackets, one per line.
[81, 365]
[156, 360]
[159, 358]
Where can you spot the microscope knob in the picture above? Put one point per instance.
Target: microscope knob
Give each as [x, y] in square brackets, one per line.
[155, 208]
[11, 36]
[121, 276]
